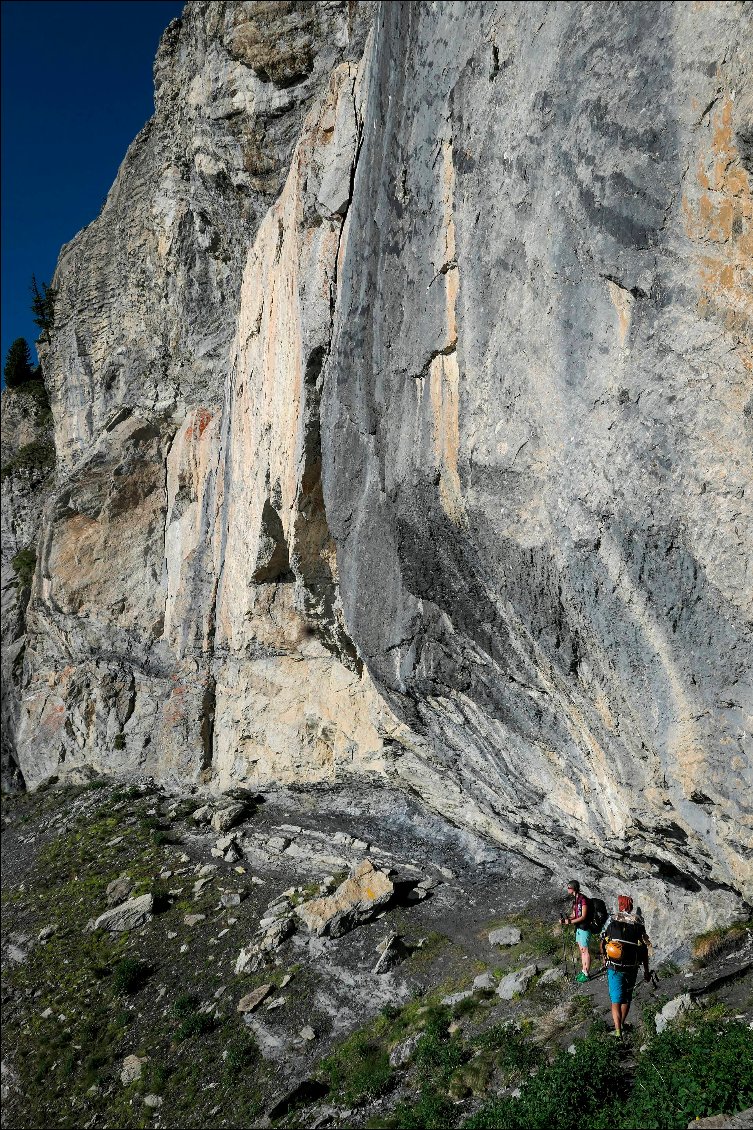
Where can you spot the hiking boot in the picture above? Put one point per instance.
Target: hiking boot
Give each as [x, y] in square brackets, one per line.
[582, 978]
[617, 1034]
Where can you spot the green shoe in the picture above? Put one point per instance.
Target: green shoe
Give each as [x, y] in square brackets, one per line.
[581, 978]
[617, 1034]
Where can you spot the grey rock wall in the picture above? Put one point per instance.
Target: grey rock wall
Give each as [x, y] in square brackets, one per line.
[27, 457]
[537, 422]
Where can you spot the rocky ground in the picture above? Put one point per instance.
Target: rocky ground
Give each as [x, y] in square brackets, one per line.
[310, 958]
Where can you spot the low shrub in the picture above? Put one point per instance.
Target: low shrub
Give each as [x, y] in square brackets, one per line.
[129, 975]
[514, 1056]
[431, 1111]
[24, 563]
[358, 1070]
[437, 1056]
[185, 1004]
[567, 1094]
[36, 456]
[195, 1024]
[241, 1051]
[692, 1072]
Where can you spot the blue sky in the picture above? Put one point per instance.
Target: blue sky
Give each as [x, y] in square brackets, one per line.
[76, 89]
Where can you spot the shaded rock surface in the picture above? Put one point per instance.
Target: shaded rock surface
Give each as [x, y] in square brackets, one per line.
[402, 408]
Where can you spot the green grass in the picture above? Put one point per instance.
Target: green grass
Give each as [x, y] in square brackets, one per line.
[129, 975]
[358, 1070]
[537, 937]
[693, 1071]
[713, 944]
[430, 1111]
[566, 1094]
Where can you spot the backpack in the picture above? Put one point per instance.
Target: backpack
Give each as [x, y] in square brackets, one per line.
[623, 943]
[597, 915]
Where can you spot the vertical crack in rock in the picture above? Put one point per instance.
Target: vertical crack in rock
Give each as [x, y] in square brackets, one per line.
[207, 725]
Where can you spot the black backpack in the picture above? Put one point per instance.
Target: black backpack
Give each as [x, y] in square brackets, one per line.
[597, 915]
[623, 944]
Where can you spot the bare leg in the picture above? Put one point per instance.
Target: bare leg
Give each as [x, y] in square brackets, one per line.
[624, 1009]
[617, 1016]
[585, 958]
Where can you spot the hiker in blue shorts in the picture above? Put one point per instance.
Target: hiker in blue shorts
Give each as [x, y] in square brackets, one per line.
[578, 917]
[624, 947]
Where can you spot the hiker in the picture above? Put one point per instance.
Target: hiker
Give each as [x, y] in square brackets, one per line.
[624, 946]
[578, 917]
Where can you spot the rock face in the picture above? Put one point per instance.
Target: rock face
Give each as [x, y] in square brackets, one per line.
[403, 412]
[27, 457]
[537, 425]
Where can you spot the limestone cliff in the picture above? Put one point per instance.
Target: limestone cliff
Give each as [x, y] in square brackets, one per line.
[403, 409]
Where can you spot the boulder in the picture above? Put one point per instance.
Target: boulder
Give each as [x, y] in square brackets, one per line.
[743, 1120]
[517, 982]
[356, 900]
[224, 842]
[672, 1009]
[550, 975]
[484, 982]
[253, 999]
[128, 916]
[228, 816]
[505, 936]
[131, 1069]
[456, 998]
[276, 934]
[402, 1052]
[118, 890]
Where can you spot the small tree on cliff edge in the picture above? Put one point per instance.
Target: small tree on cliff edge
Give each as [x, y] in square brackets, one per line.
[43, 306]
[18, 370]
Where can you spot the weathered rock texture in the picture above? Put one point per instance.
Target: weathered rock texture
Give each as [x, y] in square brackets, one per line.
[27, 457]
[403, 407]
[356, 900]
[538, 417]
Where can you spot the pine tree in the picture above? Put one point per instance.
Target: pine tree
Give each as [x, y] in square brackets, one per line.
[18, 370]
[43, 306]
